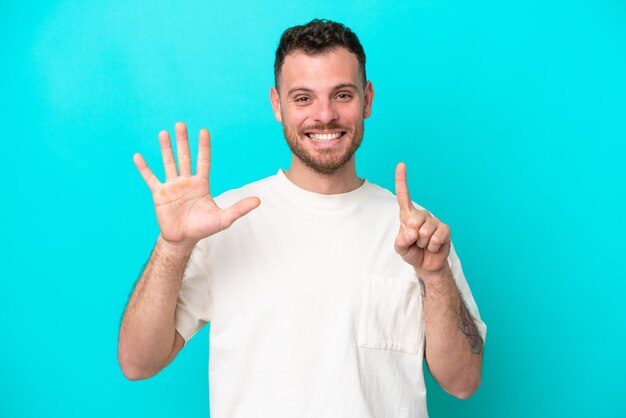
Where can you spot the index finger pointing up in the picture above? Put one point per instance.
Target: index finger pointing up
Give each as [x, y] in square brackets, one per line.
[402, 190]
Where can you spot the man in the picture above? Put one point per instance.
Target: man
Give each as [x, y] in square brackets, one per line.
[323, 300]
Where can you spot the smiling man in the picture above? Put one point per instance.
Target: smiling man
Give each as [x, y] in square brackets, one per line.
[329, 291]
[324, 102]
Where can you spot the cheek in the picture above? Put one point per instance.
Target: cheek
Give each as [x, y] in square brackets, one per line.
[294, 119]
[354, 112]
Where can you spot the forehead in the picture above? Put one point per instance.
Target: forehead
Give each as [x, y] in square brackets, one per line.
[319, 71]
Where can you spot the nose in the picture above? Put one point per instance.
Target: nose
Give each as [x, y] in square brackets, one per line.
[325, 111]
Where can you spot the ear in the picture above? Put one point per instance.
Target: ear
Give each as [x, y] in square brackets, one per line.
[275, 101]
[369, 98]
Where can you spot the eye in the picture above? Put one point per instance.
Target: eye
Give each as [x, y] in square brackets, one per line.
[344, 96]
[302, 99]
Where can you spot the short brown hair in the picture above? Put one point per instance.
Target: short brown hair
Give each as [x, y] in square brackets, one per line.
[316, 37]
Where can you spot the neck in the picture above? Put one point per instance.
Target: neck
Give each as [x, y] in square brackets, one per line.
[342, 180]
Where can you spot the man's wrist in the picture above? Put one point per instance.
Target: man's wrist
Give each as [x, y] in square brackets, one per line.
[175, 249]
[435, 277]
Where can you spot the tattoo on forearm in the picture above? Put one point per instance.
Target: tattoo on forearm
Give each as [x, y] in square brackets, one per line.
[422, 286]
[468, 328]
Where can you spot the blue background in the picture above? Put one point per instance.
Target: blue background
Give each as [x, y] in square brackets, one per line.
[510, 116]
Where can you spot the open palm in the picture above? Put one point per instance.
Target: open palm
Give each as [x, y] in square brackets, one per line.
[185, 210]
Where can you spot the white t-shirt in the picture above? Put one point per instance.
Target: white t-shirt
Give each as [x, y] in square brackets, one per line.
[313, 313]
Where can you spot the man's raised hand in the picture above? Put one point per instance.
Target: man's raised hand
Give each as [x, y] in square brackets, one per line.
[423, 240]
[185, 210]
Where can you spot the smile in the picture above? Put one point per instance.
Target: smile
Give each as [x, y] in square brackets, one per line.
[325, 137]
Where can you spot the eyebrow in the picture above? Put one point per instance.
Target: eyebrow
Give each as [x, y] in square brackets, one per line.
[337, 87]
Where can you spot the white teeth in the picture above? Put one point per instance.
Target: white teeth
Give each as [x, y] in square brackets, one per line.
[324, 137]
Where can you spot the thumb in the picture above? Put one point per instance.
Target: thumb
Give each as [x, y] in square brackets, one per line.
[237, 210]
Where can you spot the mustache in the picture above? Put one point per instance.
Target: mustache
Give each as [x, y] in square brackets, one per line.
[324, 126]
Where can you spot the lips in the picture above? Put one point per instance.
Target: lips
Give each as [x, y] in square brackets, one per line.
[322, 137]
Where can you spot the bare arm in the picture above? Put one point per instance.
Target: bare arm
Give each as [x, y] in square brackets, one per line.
[148, 339]
[186, 213]
[453, 346]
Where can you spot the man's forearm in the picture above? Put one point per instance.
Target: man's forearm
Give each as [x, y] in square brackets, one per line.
[454, 348]
[148, 326]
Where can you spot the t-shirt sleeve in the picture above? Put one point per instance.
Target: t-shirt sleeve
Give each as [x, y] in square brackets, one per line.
[193, 309]
[466, 294]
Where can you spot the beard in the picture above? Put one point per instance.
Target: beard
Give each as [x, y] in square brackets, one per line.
[324, 161]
